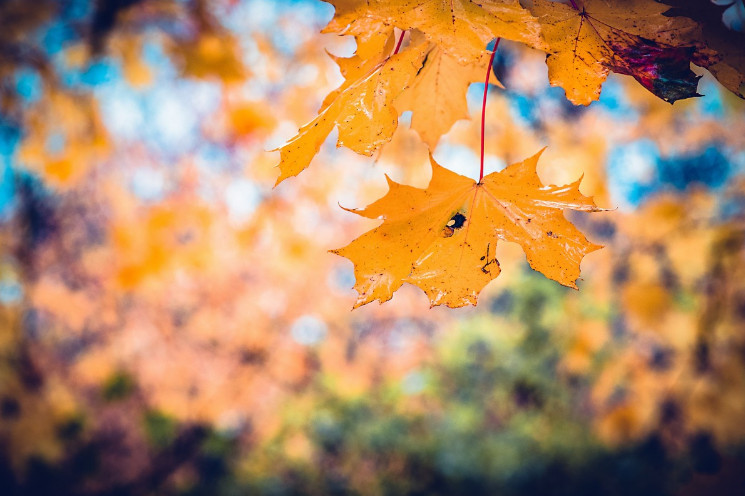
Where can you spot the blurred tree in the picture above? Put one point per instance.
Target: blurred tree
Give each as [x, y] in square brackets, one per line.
[169, 324]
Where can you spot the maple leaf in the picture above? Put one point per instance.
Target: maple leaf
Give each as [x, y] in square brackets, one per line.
[362, 111]
[369, 33]
[444, 238]
[437, 95]
[374, 45]
[718, 49]
[587, 42]
[462, 28]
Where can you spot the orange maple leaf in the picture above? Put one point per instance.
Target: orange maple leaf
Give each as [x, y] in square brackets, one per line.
[462, 28]
[362, 110]
[590, 38]
[443, 239]
[437, 95]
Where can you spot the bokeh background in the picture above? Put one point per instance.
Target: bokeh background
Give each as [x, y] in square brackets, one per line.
[172, 325]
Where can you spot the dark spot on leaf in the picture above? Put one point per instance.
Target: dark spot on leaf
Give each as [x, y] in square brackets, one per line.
[456, 222]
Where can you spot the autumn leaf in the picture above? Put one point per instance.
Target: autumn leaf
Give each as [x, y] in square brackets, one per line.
[370, 33]
[444, 238]
[362, 111]
[437, 93]
[374, 45]
[462, 28]
[634, 38]
[718, 49]
[437, 96]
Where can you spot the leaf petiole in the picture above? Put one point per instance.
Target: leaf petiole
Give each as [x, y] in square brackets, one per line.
[483, 107]
[400, 40]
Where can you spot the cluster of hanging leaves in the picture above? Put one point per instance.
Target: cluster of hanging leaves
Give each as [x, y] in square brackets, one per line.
[443, 238]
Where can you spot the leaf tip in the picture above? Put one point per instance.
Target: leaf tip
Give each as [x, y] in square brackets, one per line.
[353, 210]
[391, 183]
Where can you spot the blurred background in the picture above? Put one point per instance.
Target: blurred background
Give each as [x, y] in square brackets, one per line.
[170, 324]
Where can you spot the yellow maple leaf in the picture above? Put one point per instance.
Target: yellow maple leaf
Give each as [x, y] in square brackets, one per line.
[370, 33]
[590, 38]
[363, 113]
[373, 49]
[437, 96]
[444, 238]
[463, 28]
